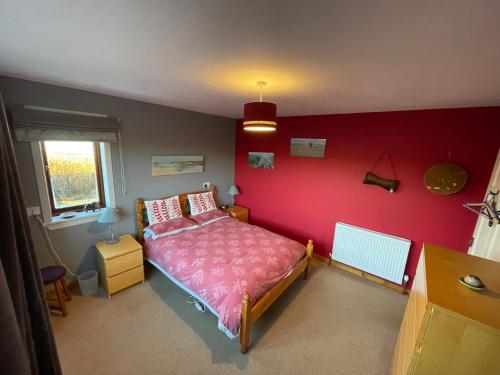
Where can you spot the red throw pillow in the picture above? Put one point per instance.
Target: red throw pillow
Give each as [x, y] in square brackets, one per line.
[170, 227]
[209, 217]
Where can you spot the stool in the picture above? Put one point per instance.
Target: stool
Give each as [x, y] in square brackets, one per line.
[55, 275]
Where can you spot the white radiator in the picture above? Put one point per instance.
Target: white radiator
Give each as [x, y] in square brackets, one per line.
[377, 253]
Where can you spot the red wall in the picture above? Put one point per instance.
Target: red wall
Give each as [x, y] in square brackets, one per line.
[304, 197]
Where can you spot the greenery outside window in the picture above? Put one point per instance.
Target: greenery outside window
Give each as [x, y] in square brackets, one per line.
[73, 172]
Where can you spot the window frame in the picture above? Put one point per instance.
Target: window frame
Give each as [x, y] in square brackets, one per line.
[53, 221]
[100, 184]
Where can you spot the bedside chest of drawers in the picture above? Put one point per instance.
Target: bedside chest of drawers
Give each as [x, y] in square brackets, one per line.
[238, 212]
[120, 264]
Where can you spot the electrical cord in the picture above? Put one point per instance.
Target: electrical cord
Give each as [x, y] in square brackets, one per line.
[53, 251]
[197, 303]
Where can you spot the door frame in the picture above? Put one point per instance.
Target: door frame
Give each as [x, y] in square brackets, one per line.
[483, 234]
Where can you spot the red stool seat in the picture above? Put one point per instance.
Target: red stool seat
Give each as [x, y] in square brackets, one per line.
[52, 273]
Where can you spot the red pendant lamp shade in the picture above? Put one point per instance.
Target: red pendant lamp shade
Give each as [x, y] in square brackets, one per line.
[259, 116]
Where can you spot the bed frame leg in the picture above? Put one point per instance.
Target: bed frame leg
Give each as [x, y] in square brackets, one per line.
[246, 320]
[309, 253]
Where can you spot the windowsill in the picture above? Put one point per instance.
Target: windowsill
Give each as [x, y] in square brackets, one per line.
[80, 218]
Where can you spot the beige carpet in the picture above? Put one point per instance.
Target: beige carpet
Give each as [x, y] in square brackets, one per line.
[334, 323]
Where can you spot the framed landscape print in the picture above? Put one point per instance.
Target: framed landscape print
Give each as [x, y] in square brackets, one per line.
[308, 147]
[261, 160]
[168, 165]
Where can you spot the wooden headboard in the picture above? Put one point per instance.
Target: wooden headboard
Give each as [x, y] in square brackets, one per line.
[142, 219]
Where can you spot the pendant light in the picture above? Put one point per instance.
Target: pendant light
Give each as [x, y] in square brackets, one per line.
[259, 116]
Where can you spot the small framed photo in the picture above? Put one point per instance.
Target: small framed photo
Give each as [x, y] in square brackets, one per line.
[308, 147]
[261, 160]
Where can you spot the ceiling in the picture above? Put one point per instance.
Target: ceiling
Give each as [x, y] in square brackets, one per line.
[317, 56]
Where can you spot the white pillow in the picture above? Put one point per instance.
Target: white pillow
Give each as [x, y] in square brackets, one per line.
[201, 203]
[162, 210]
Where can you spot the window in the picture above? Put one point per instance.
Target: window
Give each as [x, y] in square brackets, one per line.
[73, 175]
[70, 175]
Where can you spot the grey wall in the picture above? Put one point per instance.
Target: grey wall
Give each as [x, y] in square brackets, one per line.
[147, 129]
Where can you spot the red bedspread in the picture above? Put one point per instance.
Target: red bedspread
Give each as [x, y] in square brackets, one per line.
[223, 260]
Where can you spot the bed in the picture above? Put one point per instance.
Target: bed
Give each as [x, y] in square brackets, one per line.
[237, 270]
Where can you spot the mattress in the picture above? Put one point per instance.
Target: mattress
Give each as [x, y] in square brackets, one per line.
[218, 263]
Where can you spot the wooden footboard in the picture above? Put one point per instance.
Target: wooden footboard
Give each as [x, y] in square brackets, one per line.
[249, 313]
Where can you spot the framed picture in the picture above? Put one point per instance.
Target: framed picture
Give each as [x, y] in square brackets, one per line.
[261, 160]
[168, 165]
[308, 147]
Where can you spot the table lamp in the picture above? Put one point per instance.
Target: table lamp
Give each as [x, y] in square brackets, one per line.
[109, 216]
[233, 190]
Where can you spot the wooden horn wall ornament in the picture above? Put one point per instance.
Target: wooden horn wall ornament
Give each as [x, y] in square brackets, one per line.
[373, 179]
[445, 178]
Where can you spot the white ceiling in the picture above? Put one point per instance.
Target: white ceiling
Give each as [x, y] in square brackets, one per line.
[206, 55]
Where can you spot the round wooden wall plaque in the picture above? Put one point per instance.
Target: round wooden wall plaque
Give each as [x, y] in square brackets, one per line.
[445, 178]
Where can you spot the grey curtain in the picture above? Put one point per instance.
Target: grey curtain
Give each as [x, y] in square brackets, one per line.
[26, 341]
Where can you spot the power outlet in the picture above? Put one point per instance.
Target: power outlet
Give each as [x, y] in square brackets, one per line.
[207, 185]
[33, 211]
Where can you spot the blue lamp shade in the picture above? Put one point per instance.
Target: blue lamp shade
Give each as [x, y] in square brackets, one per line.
[233, 190]
[109, 216]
